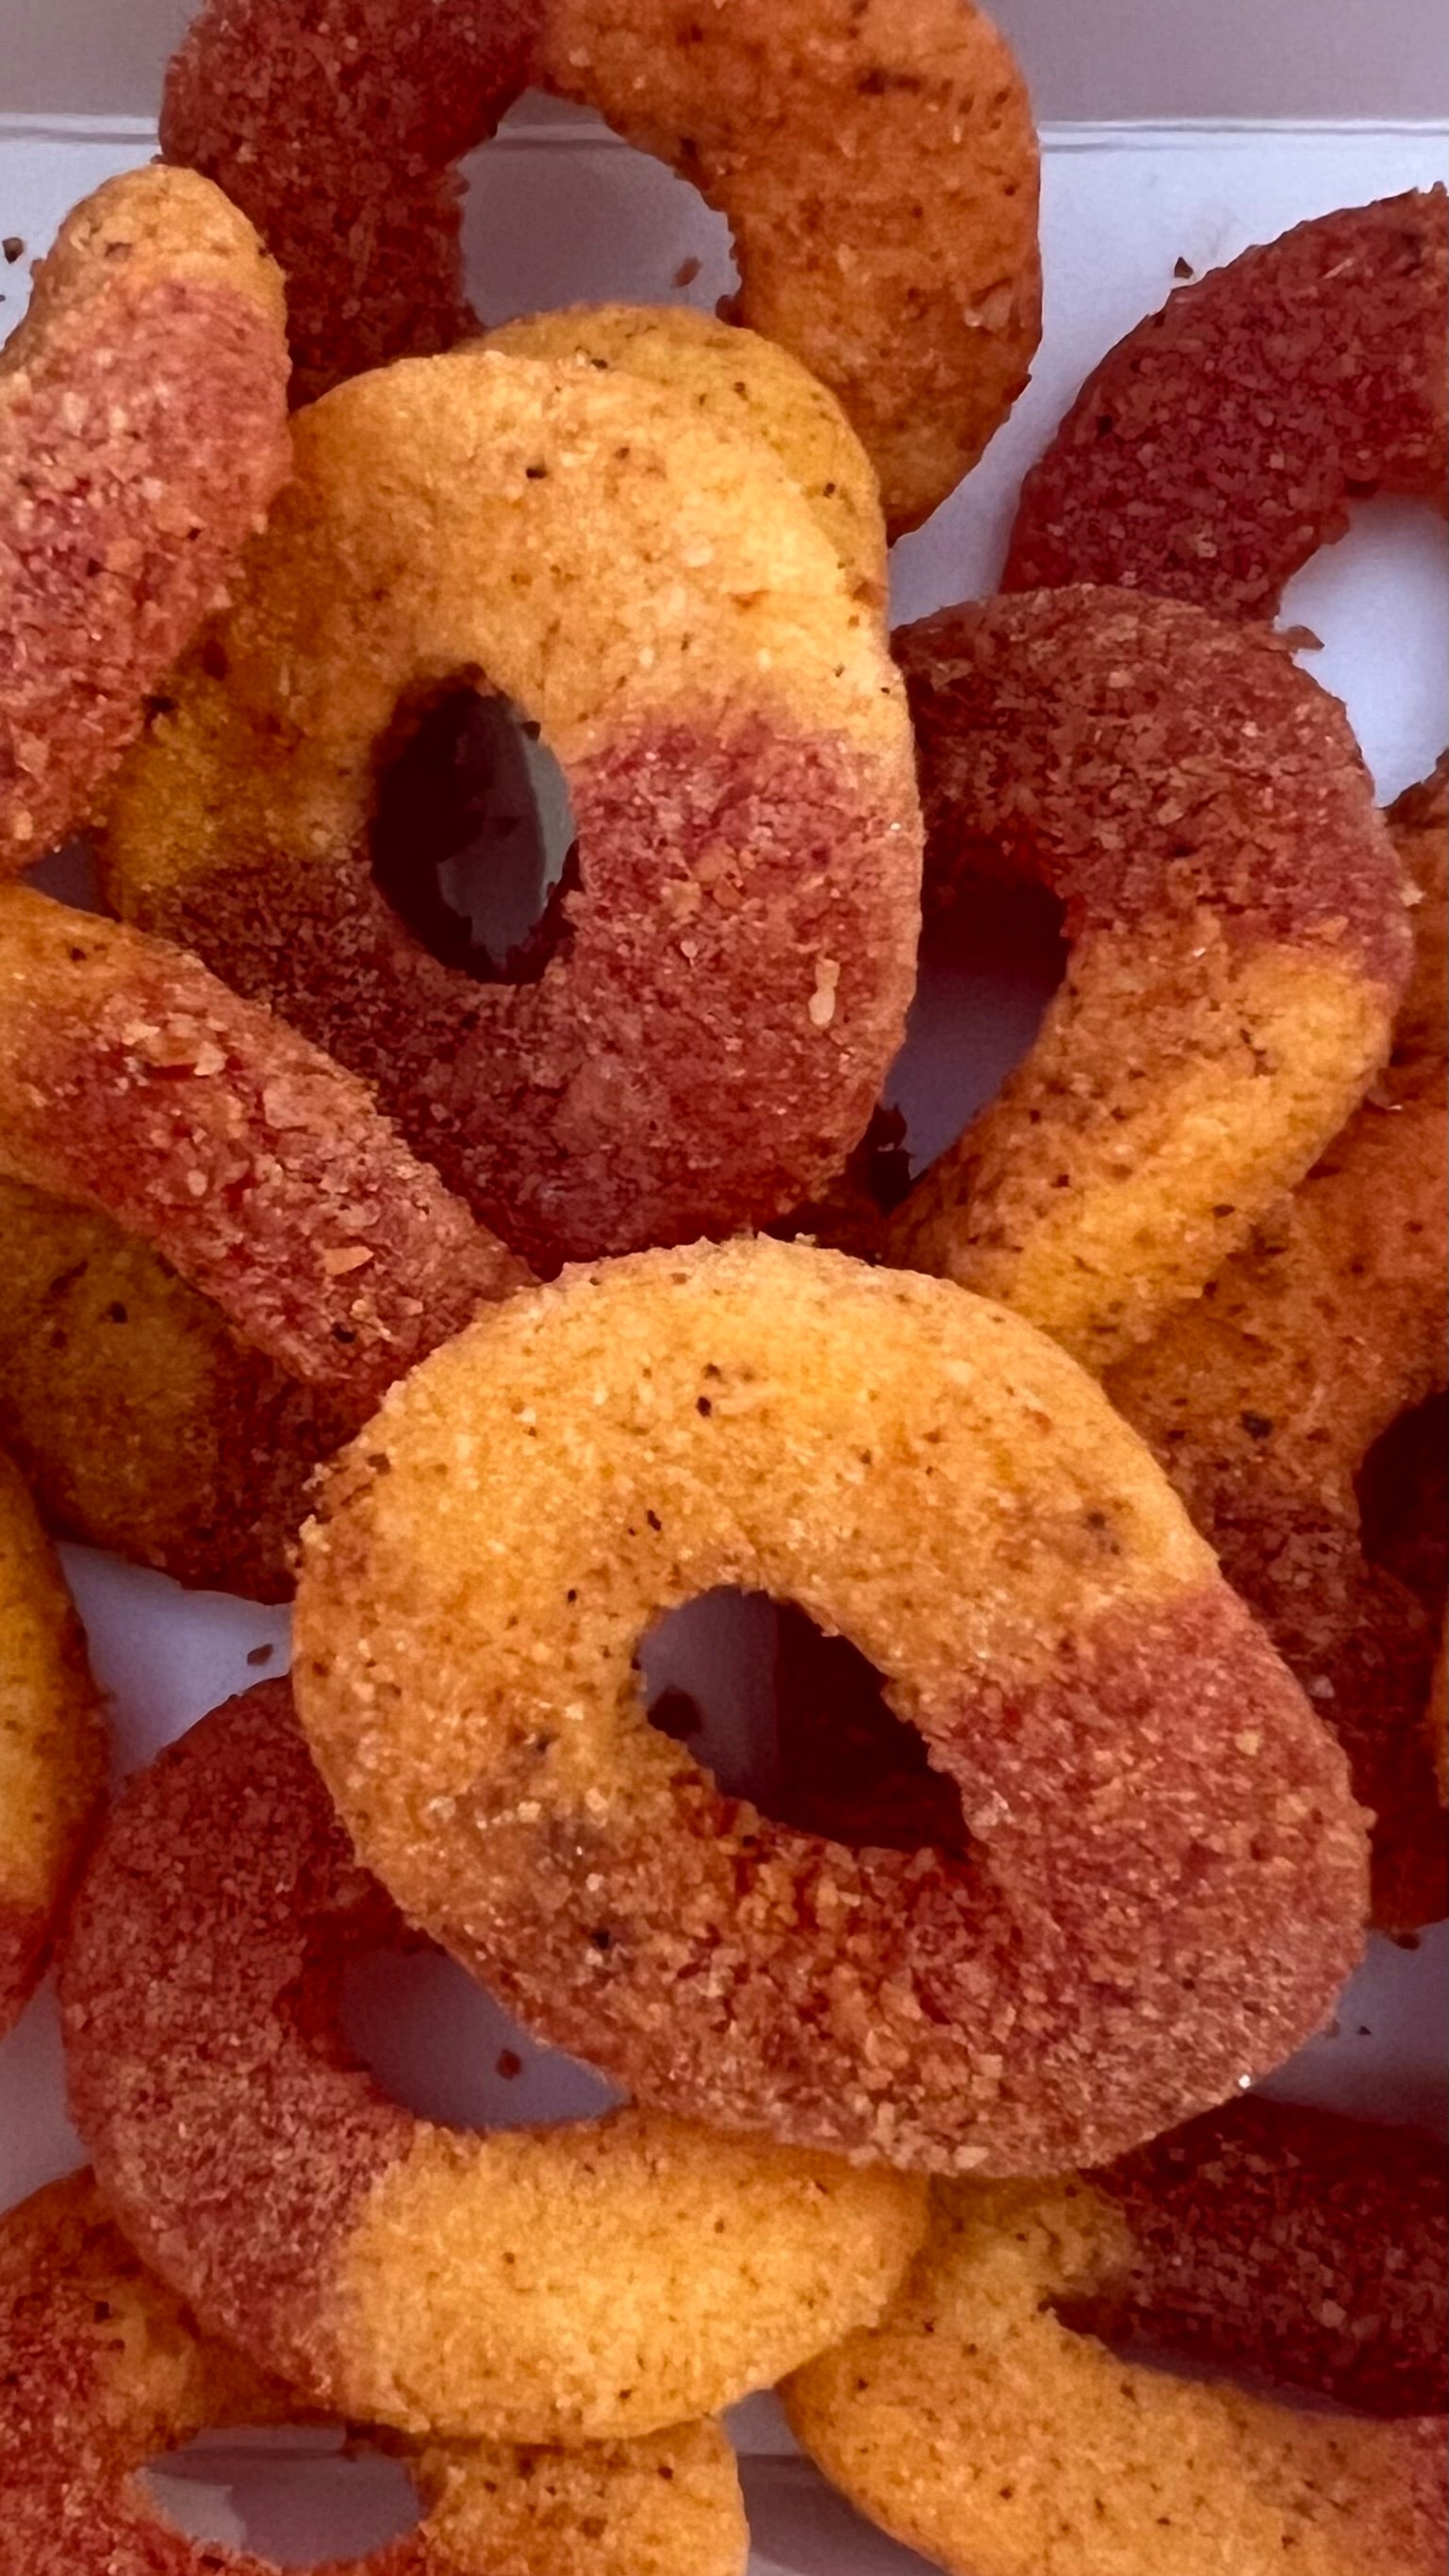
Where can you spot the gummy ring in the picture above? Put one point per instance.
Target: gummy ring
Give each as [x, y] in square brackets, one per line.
[926, 1474]
[660, 600]
[140, 1420]
[132, 1081]
[602, 2278]
[738, 381]
[143, 433]
[1264, 1399]
[876, 160]
[1239, 947]
[103, 2368]
[1220, 443]
[1341, 2226]
[984, 2423]
[52, 1745]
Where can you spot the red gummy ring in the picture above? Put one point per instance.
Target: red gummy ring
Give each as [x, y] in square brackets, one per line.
[103, 2368]
[1264, 1400]
[585, 2282]
[1145, 1787]
[1239, 944]
[735, 951]
[1219, 445]
[876, 158]
[143, 432]
[132, 1080]
[985, 2423]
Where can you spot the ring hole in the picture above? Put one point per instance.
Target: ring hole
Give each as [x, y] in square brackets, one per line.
[1403, 1494]
[802, 2526]
[987, 972]
[796, 1722]
[296, 2496]
[70, 874]
[443, 2047]
[1379, 602]
[560, 211]
[473, 837]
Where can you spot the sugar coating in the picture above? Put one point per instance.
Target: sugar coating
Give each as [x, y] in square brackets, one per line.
[1146, 1791]
[142, 1423]
[1220, 443]
[738, 954]
[739, 381]
[654, 2507]
[52, 1745]
[338, 132]
[586, 2282]
[876, 160]
[878, 165]
[1263, 1400]
[1307, 2249]
[103, 2368]
[1236, 914]
[979, 2427]
[143, 433]
[132, 1081]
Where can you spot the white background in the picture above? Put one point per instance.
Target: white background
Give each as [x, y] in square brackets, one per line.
[559, 212]
[1085, 58]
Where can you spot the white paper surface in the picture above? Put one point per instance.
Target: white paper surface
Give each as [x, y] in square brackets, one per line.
[557, 214]
[1139, 58]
